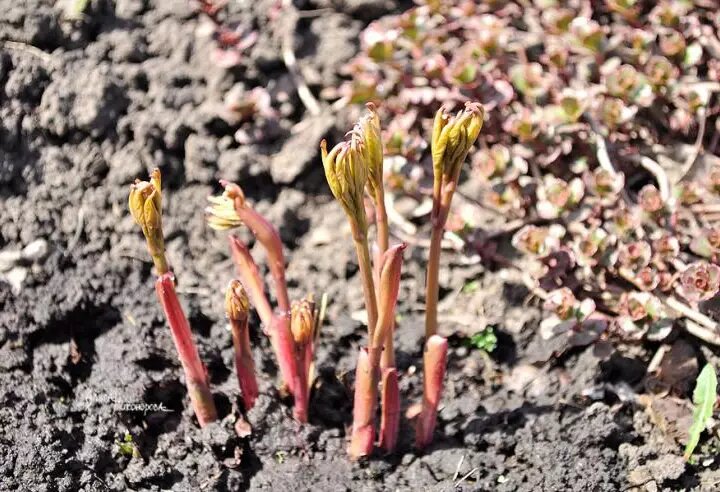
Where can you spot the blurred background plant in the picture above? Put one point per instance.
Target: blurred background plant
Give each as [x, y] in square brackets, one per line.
[599, 153]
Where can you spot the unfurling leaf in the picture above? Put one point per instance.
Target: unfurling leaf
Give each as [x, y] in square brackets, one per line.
[704, 398]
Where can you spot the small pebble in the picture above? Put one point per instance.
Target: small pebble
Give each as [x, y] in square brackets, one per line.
[8, 259]
[36, 250]
[15, 277]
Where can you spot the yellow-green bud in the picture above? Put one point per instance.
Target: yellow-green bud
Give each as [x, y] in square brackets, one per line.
[145, 204]
[452, 139]
[347, 175]
[369, 126]
[302, 320]
[237, 304]
[221, 212]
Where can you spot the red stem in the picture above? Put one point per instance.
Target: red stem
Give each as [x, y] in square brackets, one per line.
[250, 279]
[244, 364]
[390, 415]
[284, 346]
[300, 410]
[435, 361]
[363, 431]
[269, 237]
[388, 287]
[195, 374]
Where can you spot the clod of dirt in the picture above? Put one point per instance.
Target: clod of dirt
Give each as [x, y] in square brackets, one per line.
[657, 470]
[297, 155]
[91, 101]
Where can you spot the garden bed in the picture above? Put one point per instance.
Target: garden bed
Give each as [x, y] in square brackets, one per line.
[91, 395]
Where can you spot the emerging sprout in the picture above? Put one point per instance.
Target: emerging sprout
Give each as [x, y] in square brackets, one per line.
[603, 183]
[303, 320]
[434, 363]
[452, 139]
[492, 162]
[237, 307]
[647, 278]
[562, 303]
[639, 305]
[614, 112]
[588, 33]
[573, 104]
[714, 179]
[145, 206]
[556, 196]
[530, 80]
[347, 176]
[623, 82]
[350, 167]
[589, 246]
[232, 210]
[688, 193]
[303, 326]
[523, 124]
[707, 243]
[666, 247]
[700, 281]
[635, 255]
[372, 148]
[650, 199]
[537, 241]
[145, 203]
[660, 71]
[221, 213]
[237, 304]
[672, 43]
[368, 130]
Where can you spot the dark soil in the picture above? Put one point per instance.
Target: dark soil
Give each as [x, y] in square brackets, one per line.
[89, 104]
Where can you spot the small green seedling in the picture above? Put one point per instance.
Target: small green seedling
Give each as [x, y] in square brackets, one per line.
[471, 287]
[484, 340]
[704, 398]
[75, 9]
[127, 446]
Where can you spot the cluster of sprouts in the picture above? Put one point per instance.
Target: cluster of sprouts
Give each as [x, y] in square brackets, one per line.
[354, 170]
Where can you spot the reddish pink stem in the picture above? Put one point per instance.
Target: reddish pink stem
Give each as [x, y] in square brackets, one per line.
[300, 410]
[363, 431]
[435, 361]
[284, 345]
[268, 236]
[195, 373]
[244, 364]
[388, 287]
[390, 415]
[250, 279]
[304, 357]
